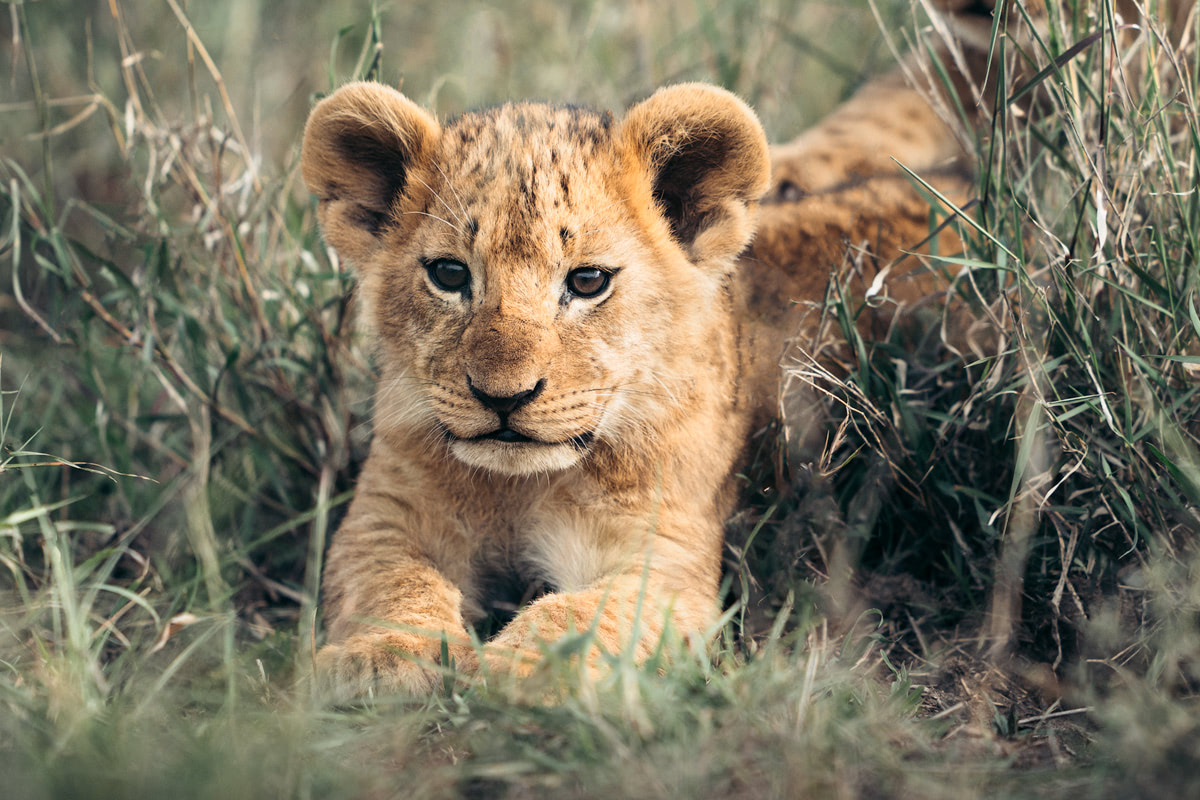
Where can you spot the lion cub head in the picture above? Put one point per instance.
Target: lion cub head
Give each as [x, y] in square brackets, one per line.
[540, 279]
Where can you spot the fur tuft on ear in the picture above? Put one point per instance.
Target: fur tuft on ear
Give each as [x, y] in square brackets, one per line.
[361, 145]
[708, 162]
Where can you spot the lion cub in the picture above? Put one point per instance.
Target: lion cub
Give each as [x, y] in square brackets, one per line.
[572, 355]
[561, 392]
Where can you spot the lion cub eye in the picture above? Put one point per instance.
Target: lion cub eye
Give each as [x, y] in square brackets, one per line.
[588, 282]
[449, 275]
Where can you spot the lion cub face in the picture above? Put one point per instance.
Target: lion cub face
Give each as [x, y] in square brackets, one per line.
[533, 273]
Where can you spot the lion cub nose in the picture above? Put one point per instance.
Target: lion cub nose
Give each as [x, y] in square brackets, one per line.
[509, 404]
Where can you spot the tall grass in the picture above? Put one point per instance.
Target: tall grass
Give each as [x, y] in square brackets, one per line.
[184, 403]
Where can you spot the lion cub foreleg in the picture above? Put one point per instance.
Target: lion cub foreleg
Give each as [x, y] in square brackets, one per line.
[394, 592]
[623, 584]
[627, 615]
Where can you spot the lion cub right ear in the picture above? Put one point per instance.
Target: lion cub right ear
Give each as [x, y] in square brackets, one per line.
[361, 147]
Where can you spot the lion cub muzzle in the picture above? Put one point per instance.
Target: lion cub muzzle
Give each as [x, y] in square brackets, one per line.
[516, 438]
[513, 416]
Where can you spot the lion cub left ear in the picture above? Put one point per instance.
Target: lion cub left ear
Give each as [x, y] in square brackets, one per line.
[708, 162]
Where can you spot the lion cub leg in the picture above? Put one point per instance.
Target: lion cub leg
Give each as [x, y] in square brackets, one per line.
[419, 612]
[394, 588]
[626, 615]
[626, 581]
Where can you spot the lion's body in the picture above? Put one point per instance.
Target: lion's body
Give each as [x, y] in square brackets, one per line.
[585, 441]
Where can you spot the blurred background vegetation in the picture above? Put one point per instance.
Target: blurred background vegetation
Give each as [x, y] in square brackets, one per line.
[793, 59]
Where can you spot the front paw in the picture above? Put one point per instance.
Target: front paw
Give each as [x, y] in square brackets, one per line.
[383, 663]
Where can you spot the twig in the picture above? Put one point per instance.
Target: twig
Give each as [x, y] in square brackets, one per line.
[1055, 715]
[948, 711]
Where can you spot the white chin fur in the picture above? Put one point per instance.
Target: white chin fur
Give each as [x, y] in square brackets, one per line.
[526, 458]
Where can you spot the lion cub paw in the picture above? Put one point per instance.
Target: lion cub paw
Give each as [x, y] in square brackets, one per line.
[388, 663]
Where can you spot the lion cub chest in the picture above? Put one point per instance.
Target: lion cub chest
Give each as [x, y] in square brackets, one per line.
[548, 538]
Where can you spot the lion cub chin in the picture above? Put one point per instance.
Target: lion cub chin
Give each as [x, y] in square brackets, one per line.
[524, 457]
[551, 293]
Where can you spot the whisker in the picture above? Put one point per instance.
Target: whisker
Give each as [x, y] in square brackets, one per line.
[441, 200]
[462, 206]
[448, 223]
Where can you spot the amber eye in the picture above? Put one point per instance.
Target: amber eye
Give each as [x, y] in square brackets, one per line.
[449, 275]
[588, 281]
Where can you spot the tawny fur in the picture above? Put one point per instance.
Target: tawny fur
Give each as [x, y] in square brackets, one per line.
[641, 400]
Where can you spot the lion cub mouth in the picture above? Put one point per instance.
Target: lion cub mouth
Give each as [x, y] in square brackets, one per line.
[511, 452]
[507, 435]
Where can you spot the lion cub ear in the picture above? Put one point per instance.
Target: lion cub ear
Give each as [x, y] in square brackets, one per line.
[708, 162]
[361, 146]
